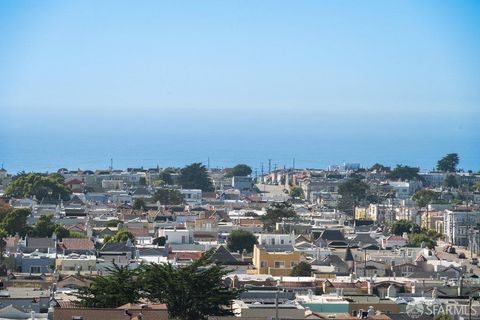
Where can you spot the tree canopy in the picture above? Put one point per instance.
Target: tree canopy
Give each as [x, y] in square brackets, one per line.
[16, 221]
[404, 173]
[139, 203]
[117, 288]
[122, 235]
[51, 187]
[401, 226]
[195, 291]
[295, 192]
[168, 196]
[239, 240]
[195, 176]
[352, 191]
[166, 177]
[448, 163]
[380, 168]
[302, 269]
[451, 181]
[355, 188]
[240, 170]
[277, 212]
[4, 209]
[425, 197]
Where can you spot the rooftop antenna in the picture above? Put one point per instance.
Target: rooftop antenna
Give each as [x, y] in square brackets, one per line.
[111, 164]
[208, 163]
[294, 163]
[269, 166]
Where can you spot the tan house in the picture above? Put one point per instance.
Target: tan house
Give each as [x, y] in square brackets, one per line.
[274, 260]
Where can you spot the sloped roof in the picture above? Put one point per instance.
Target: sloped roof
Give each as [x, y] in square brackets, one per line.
[76, 244]
[222, 255]
[115, 247]
[40, 243]
[364, 239]
[332, 235]
[348, 255]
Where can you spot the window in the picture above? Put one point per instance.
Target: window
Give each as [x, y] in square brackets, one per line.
[279, 264]
[282, 241]
[34, 269]
[263, 264]
[293, 264]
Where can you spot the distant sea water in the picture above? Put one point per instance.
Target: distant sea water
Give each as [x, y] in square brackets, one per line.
[314, 142]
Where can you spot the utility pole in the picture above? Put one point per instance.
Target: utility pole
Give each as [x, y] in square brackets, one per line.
[293, 163]
[208, 163]
[111, 164]
[269, 166]
[276, 302]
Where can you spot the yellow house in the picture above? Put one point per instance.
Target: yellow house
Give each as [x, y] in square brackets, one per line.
[273, 260]
[361, 213]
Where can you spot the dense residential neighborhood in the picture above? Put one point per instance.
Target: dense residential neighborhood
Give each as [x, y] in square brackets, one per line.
[337, 243]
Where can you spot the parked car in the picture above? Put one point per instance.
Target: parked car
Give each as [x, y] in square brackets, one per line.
[450, 250]
[474, 261]
[461, 255]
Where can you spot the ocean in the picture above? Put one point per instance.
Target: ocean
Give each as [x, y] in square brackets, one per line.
[46, 144]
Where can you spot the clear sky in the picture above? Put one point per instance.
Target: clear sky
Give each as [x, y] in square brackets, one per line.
[73, 67]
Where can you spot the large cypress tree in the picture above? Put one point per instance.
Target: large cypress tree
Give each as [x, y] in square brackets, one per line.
[195, 176]
[117, 288]
[195, 291]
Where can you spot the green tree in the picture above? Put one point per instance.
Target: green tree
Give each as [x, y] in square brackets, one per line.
[44, 227]
[355, 188]
[448, 163]
[61, 232]
[160, 241]
[239, 240]
[477, 186]
[42, 187]
[196, 291]
[5, 208]
[451, 181]
[352, 191]
[16, 221]
[442, 316]
[379, 168]
[195, 176]
[404, 173]
[119, 287]
[240, 170]
[3, 248]
[427, 237]
[139, 204]
[302, 269]
[122, 235]
[295, 192]
[142, 181]
[169, 197]
[401, 226]
[425, 197]
[346, 204]
[112, 223]
[277, 212]
[166, 176]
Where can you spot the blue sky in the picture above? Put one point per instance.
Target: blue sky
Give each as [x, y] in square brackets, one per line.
[268, 62]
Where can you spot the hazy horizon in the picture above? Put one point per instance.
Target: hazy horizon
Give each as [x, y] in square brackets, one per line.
[171, 83]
